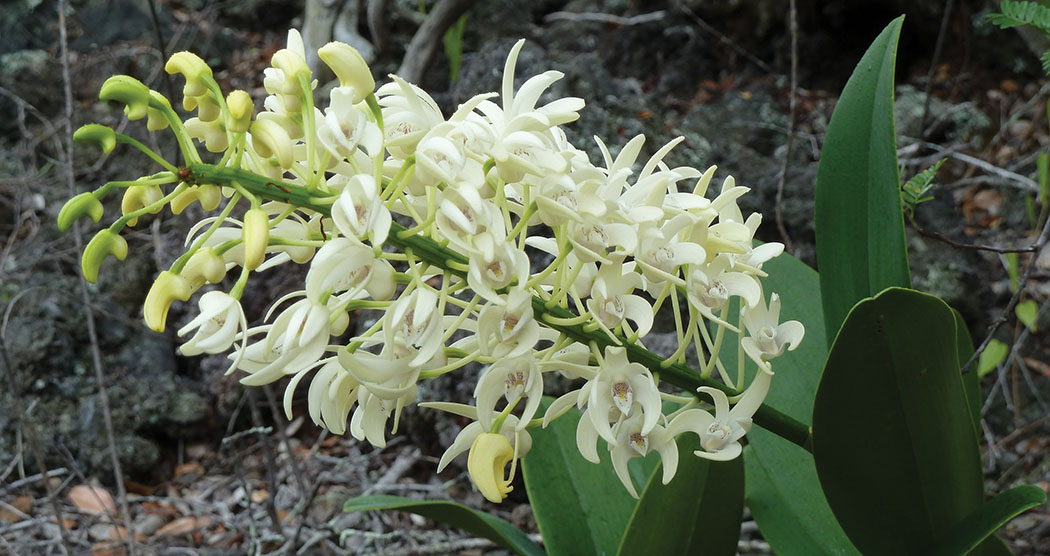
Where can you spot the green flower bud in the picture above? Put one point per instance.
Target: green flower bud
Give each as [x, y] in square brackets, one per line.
[140, 196]
[351, 69]
[128, 91]
[158, 117]
[204, 266]
[193, 69]
[84, 204]
[256, 237]
[98, 134]
[104, 244]
[241, 107]
[165, 290]
[270, 139]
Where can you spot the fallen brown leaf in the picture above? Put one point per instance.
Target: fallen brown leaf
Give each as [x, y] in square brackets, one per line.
[181, 526]
[92, 500]
[259, 496]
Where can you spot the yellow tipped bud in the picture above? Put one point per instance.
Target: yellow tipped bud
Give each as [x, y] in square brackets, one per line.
[292, 65]
[165, 290]
[209, 196]
[489, 456]
[84, 204]
[128, 91]
[140, 196]
[270, 139]
[104, 244]
[204, 266]
[193, 69]
[351, 69]
[241, 108]
[98, 134]
[256, 237]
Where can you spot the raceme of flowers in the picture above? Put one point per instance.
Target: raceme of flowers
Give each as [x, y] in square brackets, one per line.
[438, 224]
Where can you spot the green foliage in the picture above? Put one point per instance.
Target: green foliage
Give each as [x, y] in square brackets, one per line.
[581, 508]
[1026, 312]
[698, 512]
[893, 438]
[917, 190]
[859, 220]
[1017, 14]
[454, 47]
[479, 523]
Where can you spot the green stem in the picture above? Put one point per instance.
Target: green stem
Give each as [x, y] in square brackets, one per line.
[429, 251]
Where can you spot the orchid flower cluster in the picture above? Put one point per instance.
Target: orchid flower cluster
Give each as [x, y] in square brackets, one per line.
[440, 225]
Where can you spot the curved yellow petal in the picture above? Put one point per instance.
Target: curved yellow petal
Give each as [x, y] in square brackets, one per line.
[489, 455]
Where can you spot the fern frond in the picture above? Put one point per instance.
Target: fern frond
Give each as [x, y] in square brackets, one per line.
[917, 190]
[1016, 13]
[1046, 61]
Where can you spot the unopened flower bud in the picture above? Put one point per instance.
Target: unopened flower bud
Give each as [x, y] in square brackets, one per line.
[351, 69]
[104, 244]
[128, 91]
[204, 266]
[256, 237]
[84, 204]
[270, 139]
[193, 69]
[165, 290]
[241, 107]
[158, 118]
[98, 134]
[489, 456]
[208, 195]
[138, 197]
[292, 65]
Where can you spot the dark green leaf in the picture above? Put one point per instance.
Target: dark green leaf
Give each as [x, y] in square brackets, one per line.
[698, 512]
[581, 508]
[456, 515]
[984, 522]
[860, 226]
[893, 440]
[971, 380]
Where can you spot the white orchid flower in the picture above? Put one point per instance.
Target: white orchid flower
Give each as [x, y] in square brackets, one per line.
[359, 212]
[720, 434]
[220, 318]
[768, 337]
[508, 329]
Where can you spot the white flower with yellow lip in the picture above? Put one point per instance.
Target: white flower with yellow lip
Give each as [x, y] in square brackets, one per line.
[489, 459]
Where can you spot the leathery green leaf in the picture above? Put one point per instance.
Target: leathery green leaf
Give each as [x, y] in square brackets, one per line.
[581, 508]
[698, 512]
[480, 523]
[860, 228]
[992, 515]
[893, 439]
[783, 492]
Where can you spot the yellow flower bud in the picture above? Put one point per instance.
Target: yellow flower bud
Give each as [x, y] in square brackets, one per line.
[488, 457]
[140, 196]
[241, 108]
[351, 69]
[158, 118]
[84, 204]
[256, 237]
[193, 68]
[292, 65]
[100, 135]
[209, 196]
[128, 91]
[204, 266]
[270, 139]
[104, 244]
[165, 290]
